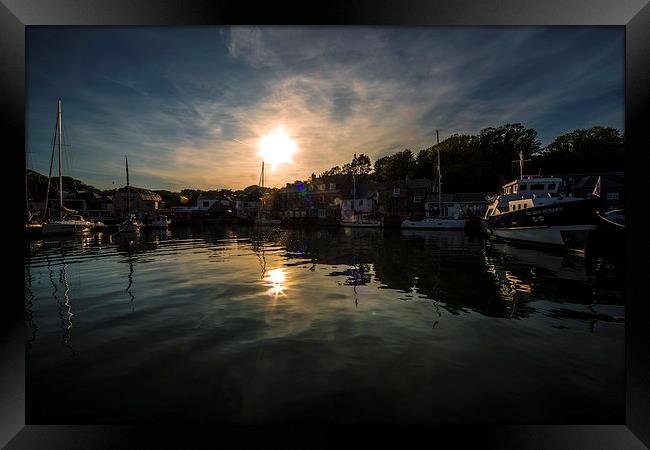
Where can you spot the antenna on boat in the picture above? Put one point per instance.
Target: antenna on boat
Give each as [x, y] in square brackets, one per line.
[521, 161]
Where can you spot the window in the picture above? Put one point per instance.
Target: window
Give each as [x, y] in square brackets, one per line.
[536, 187]
[206, 204]
[514, 189]
[417, 199]
[551, 186]
[332, 186]
[612, 196]
[359, 202]
[523, 187]
[396, 191]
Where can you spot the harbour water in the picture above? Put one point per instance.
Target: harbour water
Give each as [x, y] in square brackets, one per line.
[327, 325]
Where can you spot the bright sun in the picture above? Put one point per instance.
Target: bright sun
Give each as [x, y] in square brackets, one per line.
[277, 147]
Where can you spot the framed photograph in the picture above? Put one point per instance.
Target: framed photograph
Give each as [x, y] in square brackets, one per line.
[285, 225]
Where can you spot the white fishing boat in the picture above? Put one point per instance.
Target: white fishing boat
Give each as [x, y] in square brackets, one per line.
[131, 224]
[534, 209]
[441, 220]
[66, 224]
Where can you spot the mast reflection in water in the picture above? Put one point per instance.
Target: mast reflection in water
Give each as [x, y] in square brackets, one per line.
[252, 325]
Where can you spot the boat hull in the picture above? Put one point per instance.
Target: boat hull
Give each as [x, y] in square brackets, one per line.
[564, 224]
[435, 224]
[65, 228]
[361, 224]
[572, 236]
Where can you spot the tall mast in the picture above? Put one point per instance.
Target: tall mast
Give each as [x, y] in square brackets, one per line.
[128, 188]
[259, 211]
[49, 175]
[439, 176]
[60, 165]
[26, 190]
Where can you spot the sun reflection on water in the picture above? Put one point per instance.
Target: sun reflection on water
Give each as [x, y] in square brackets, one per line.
[276, 280]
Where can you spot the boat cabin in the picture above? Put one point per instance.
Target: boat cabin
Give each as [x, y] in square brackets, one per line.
[531, 184]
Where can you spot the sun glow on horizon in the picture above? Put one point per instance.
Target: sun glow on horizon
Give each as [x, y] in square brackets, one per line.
[277, 148]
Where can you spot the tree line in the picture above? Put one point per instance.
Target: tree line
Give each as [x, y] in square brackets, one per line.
[470, 163]
[484, 161]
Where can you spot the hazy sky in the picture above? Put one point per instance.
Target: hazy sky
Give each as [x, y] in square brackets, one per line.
[190, 104]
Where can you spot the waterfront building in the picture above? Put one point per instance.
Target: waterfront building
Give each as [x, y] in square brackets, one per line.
[361, 201]
[403, 198]
[143, 202]
[213, 201]
[247, 205]
[612, 187]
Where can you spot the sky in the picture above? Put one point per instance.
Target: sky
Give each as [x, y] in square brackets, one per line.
[189, 105]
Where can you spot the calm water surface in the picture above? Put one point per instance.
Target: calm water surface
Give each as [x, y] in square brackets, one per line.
[336, 325]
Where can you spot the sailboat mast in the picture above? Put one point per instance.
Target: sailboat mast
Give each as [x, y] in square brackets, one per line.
[49, 175]
[60, 164]
[128, 188]
[259, 211]
[26, 190]
[439, 176]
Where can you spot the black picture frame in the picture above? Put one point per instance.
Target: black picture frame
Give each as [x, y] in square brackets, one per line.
[15, 15]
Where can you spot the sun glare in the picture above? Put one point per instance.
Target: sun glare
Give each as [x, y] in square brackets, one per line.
[277, 148]
[276, 279]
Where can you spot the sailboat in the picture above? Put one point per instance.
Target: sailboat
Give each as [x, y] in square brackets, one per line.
[439, 222]
[358, 220]
[261, 218]
[67, 223]
[131, 223]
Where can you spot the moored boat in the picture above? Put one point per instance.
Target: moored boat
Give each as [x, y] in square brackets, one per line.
[159, 221]
[66, 224]
[435, 223]
[533, 209]
[131, 224]
[358, 221]
[73, 224]
[441, 220]
[263, 217]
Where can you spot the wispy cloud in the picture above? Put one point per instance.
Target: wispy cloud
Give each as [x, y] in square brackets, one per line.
[190, 105]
